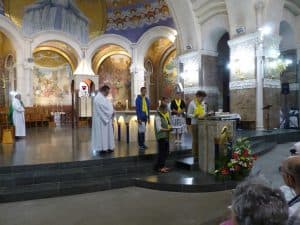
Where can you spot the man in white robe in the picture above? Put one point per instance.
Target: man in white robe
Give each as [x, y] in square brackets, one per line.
[18, 116]
[102, 123]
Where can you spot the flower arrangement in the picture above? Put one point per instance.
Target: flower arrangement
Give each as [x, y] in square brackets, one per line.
[238, 162]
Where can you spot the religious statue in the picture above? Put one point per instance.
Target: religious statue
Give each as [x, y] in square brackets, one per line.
[224, 139]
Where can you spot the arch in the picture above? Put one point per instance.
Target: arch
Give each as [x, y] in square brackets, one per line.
[287, 34]
[212, 32]
[14, 35]
[104, 39]
[45, 36]
[150, 36]
[187, 25]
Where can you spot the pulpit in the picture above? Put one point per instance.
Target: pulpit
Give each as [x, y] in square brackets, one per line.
[211, 130]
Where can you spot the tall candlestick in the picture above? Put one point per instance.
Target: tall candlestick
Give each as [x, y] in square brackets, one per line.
[126, 104]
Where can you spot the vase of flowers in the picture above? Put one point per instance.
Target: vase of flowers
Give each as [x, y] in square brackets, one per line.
[238, 164]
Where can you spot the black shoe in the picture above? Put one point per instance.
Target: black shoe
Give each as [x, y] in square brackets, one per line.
[110, 150]
[141, 148]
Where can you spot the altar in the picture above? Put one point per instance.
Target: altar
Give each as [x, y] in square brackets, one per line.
[210, 130]
[126, 126]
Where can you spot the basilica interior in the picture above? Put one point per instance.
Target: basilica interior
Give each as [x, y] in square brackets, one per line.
[57, 53]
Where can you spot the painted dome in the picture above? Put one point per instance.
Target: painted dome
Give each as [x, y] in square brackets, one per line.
[88, 19]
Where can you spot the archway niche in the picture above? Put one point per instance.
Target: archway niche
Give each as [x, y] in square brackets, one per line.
[161, 70]
[223, 72]
[290, 100]
[8, 79]
[53, 66]
[112, 63]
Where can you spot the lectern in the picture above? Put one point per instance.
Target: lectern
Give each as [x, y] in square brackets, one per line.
[209, 131]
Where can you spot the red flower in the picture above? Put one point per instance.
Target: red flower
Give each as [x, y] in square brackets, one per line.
[246, 152]
[224, 171]
[235, 155]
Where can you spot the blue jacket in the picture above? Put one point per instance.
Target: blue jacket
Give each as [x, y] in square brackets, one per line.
[139, 105]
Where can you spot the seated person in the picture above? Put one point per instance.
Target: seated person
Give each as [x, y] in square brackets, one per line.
[256, 204]
[290, 172]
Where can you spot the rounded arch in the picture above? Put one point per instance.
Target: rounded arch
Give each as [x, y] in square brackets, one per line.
[213, 30]
[150, 36]
[105, 39]
[287, 34]
[13, 34]
[46, 36]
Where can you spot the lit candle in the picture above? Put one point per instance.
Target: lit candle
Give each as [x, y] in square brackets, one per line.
[126, 104]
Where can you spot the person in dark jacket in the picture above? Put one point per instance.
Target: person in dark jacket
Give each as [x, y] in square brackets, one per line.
[142, 105]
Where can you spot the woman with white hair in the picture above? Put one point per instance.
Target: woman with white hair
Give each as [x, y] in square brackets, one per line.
[18, 116]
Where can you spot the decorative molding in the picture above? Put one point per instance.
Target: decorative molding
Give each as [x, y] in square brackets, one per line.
[242, 84]
[194, 55]
[191, 90]
[272, 83]
[208, 52]
[244, 39]
[207, 89]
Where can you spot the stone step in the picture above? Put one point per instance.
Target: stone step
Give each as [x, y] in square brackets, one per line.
[264, 148]
[52, 189]
[187, 163]
[183, 181]
[49, 180]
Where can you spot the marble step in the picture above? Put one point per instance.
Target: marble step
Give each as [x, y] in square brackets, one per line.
[183, 181]
[187, 163]
[263, 148]
[53, 189]
[259, 147]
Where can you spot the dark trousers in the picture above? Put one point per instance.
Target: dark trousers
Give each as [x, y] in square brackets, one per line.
[163, 152]
[141, 139]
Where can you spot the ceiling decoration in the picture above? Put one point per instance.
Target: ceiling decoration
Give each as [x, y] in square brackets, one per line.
[104, 52]
[132, 18]
[86, 19]
[60, 48]
[158, 48]
[93, 10]
[49, 59]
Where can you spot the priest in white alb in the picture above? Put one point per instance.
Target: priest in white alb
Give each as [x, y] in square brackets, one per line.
[102, 122]
[18, 116]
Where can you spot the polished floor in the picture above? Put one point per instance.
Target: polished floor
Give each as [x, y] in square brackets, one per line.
[64, 144]
[127, 206]
[136, 206]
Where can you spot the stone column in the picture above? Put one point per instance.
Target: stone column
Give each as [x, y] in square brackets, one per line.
[211, 82]
[137, 81]
[259, 82]
[271, 81]
[24, 74]
[242, 77]
[137, 72]
[254, 84]
[189, 71]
